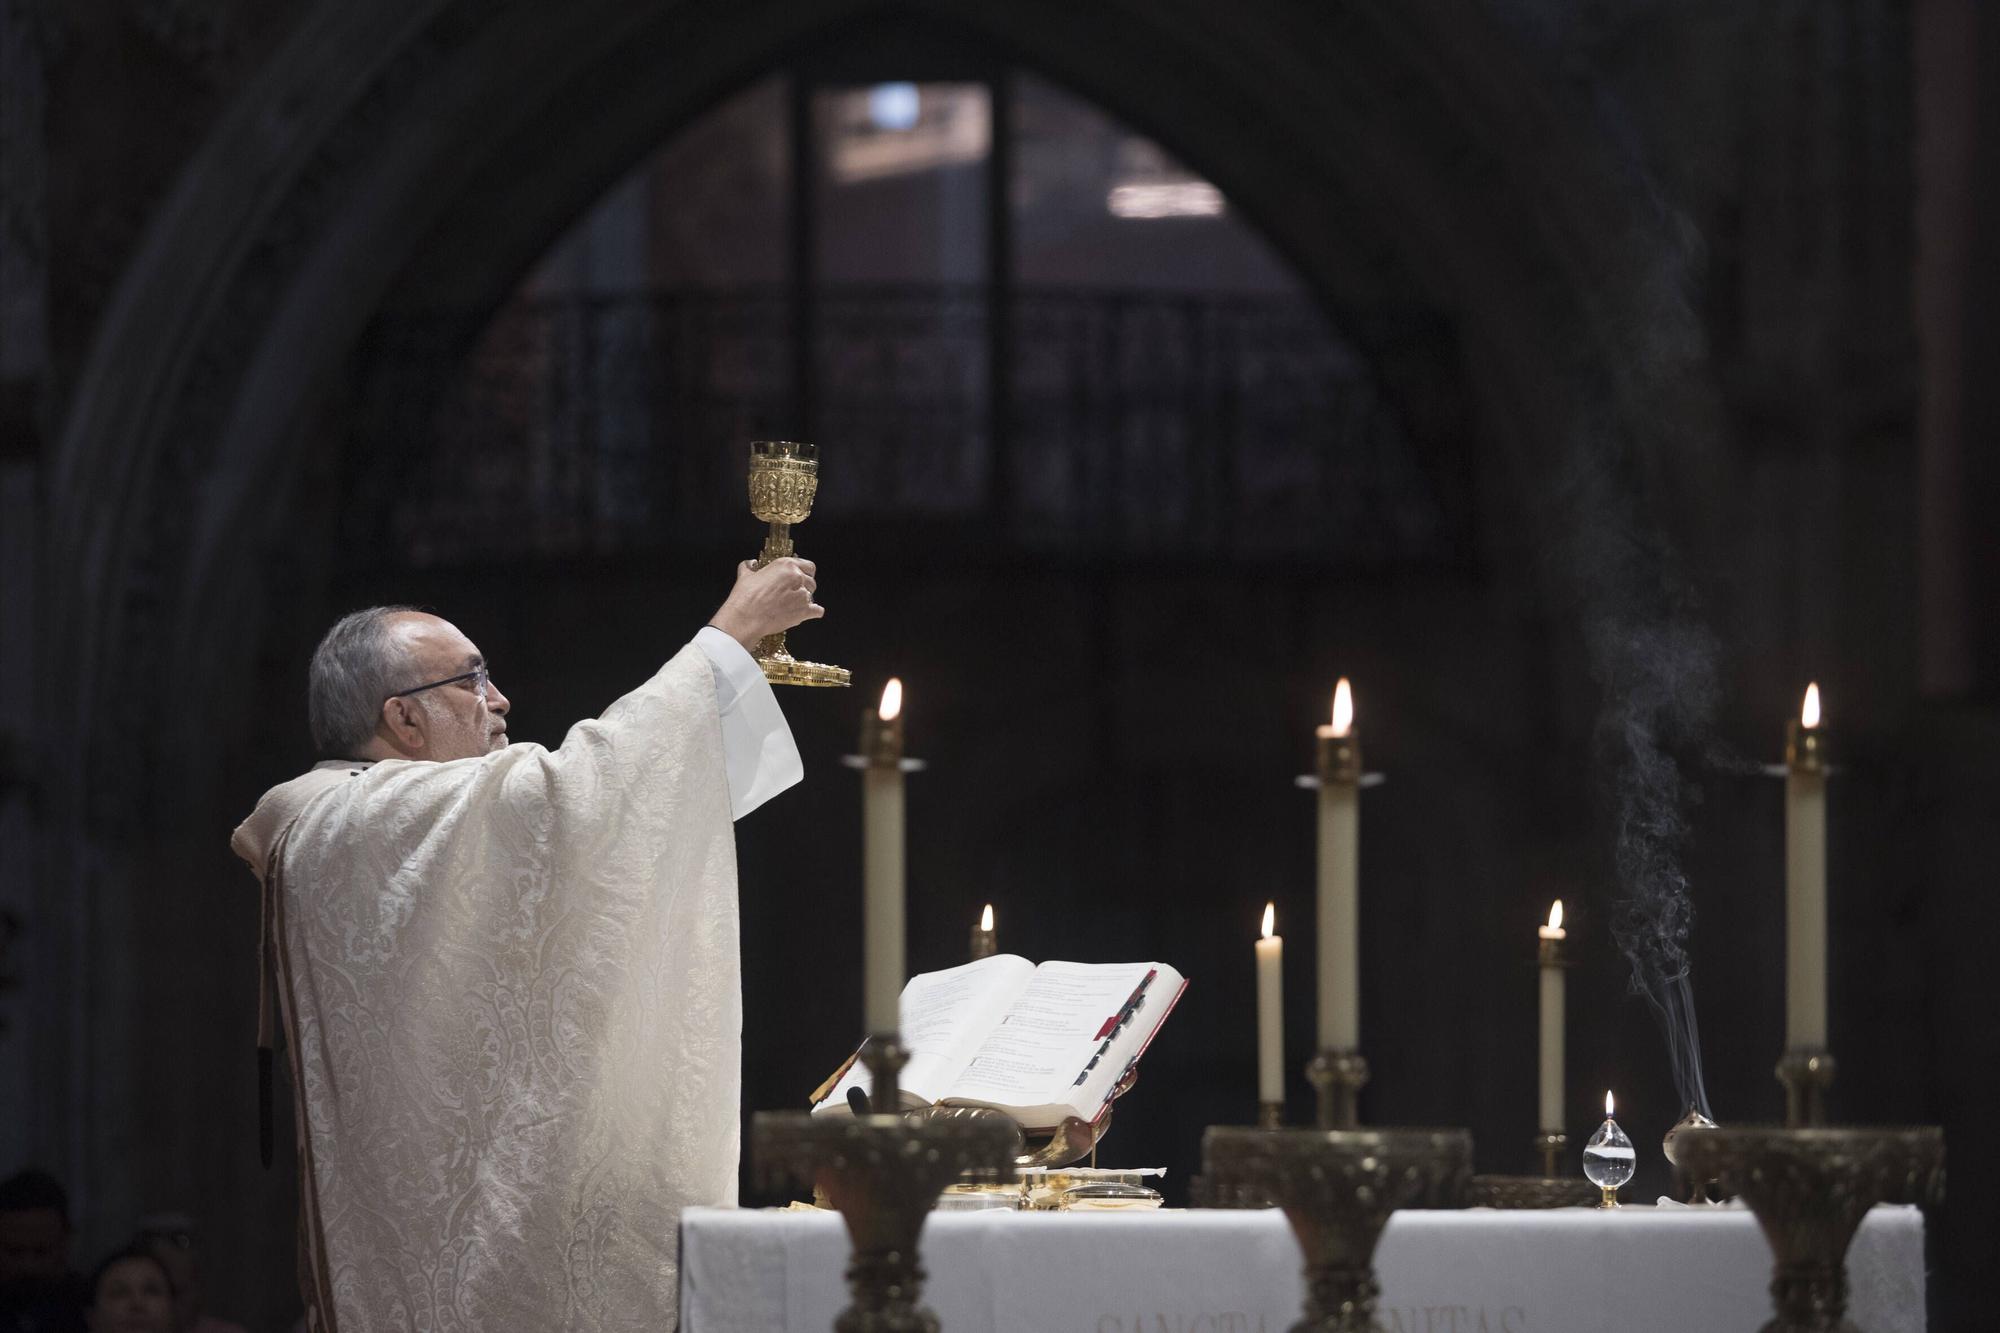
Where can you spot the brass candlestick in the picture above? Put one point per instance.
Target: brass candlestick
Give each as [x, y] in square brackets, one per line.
[1337, 1077]
[884, 1173]
[1806, 1074]
[1337, 1188]
[1549, 1145]
[1810, 1188]
[784, 477]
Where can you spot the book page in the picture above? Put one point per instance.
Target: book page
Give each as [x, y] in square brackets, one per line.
[1042, 1049]
[943, 1016]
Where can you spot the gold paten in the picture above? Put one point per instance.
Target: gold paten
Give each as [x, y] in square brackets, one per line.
[1090, 1189]
[784, 478]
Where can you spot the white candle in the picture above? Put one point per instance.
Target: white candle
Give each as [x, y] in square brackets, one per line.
[1805, 881]
[1339, 848]
[984, 942]
[1270, 1011]
[882, 859]
[1551, 1082]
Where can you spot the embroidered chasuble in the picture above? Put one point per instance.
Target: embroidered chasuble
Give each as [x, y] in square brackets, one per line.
[511, 991]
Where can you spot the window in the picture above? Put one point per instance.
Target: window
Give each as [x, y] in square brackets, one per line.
[1097, 355]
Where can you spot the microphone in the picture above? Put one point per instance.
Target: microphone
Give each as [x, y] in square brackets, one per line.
[857, 1101]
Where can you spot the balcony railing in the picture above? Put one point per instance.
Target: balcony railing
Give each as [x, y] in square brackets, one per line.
[1136, 424]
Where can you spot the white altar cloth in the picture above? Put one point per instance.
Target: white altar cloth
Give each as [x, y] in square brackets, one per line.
[1566, 1270]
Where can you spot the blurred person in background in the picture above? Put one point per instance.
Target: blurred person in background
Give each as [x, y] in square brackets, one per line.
[130, 1293]
[38, 1292]
[171, 1238]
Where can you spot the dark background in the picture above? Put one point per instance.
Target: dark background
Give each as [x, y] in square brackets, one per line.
[1580, 379]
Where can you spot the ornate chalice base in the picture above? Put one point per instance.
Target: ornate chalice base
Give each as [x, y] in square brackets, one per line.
[884, 1174]
[781, 668]
[1337, 1188]
[1810, 1188]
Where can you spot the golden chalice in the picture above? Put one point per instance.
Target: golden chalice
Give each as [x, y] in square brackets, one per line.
[784, 476]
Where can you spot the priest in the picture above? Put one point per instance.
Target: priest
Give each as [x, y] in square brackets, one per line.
[508, 976]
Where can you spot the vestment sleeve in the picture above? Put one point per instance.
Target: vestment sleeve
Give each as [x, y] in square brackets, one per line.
[757, 746]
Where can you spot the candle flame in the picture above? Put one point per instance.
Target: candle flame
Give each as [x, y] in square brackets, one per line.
[892, 700]
[1809, 711]
[1343, 707]
[1556, 914]
[1270, 918]
[986, 918]
[1607, 1103]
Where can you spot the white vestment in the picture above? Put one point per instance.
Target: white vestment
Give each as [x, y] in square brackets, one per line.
[512, 992]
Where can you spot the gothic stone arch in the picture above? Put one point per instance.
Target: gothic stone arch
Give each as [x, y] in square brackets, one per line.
[1416, 137]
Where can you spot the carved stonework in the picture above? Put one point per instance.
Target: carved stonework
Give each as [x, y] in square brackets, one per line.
[164, 535]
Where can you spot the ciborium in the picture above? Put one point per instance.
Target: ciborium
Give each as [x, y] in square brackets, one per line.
[1810, 1188]
[1337, 1188]
[784, 477]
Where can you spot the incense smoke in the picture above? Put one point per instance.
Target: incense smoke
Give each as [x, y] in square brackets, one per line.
[1660, 689]
[1649, 650]
[1656, 664]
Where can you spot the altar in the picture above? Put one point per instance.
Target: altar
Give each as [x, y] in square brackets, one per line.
[1569, 1270]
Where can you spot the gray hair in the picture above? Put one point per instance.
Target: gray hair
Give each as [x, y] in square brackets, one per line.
[356, 666]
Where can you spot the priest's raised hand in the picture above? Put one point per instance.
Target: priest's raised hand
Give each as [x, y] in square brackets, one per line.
[768, 600]
[509, 976]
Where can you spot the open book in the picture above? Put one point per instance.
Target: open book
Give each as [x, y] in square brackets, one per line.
[1040, 1043]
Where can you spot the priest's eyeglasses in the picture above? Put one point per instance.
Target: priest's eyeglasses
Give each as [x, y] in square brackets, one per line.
[477, 678]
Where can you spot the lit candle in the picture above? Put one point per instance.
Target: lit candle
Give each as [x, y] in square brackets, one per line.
[1549, 954]
[1339, 845]
[882, 859]
[984, 943]
[1805, 880]
[1271, 1012]
[1609, 1158]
